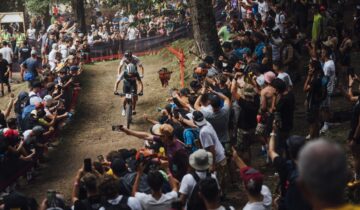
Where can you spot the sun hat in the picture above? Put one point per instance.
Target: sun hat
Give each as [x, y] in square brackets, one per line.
[201, 160]
[155, 130]
[269, 76]
[199, 119]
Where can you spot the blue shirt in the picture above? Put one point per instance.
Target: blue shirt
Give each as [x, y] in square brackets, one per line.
[259, 51]
[31, 65]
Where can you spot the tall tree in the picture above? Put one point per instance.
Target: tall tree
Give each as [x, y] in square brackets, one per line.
[204, 27]
[79, 10]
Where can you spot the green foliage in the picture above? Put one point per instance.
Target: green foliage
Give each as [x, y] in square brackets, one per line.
[37, 7]
[40, 7]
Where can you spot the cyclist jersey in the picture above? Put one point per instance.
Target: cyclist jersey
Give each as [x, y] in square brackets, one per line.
[131, 80]
[135, 60]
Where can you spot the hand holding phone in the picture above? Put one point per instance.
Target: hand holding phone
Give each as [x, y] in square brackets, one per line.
[87, 165]
[117, 127]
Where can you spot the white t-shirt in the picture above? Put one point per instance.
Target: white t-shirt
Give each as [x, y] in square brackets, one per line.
[27, 137]
[132, 33]
[7, 54]
[34, 98]
[280, 20]
[135, 60]
[188, 183]
[286, 78]
[329, 71]
[263, 9]
[265, 204]
[148, 202]
[31, 33]
[133, 203]
[208, 137]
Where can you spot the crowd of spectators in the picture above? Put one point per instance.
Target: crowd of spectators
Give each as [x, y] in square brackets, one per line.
[206, 134]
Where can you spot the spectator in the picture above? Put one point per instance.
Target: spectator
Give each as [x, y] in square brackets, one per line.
[108, 189]
[157, 199]
[4, 75]
[323, 184]
[259, 195]
[201, 161]
[210, 193]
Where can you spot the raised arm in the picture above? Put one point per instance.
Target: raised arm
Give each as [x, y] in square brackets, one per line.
[272, 153]
[138, 134]
[238, 161]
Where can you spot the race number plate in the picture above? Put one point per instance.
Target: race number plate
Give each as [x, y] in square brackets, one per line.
[128, 96]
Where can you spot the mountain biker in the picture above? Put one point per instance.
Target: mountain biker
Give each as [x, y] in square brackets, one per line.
[125, 61]
[131, 79]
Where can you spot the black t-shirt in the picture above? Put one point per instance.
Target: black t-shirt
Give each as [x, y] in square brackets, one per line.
[249, 110]
[3, 67]
[224, 91]
[291, 194]
[25, 53]
[314, 94]
[286, 107]
[93, 202]
[355, 121]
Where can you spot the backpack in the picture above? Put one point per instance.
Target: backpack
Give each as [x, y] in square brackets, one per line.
[122, 205]
[195, 202]
[22, 101]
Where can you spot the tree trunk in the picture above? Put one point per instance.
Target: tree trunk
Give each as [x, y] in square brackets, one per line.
[79, 10]
[204, 28]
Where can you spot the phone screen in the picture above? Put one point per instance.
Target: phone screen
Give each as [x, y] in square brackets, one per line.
[87, 165]
[101, 158]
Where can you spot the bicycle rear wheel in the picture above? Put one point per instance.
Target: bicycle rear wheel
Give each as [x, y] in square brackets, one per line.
[128, 111]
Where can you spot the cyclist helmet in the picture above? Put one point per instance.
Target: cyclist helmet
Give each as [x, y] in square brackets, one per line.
[128, 54]
[131, 69]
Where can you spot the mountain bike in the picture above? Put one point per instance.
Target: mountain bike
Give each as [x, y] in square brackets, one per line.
[128, 106]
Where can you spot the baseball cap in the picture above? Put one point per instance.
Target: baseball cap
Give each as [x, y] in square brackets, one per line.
[33, 52]
[199, 118]
[269, 76]
[251, 177]
[38, 130]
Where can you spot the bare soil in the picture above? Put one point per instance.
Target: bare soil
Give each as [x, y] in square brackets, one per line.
[90, 134]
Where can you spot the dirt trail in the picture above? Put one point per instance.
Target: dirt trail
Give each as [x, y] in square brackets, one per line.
[90, 133]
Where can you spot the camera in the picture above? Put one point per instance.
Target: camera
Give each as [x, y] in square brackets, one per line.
[116, 127]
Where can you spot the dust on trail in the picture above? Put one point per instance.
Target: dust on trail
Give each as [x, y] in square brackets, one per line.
[90, 135]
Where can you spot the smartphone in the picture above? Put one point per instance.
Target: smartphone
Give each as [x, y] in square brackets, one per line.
[101, 158]
[87, 165]
[117, 127]
[51, 195]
